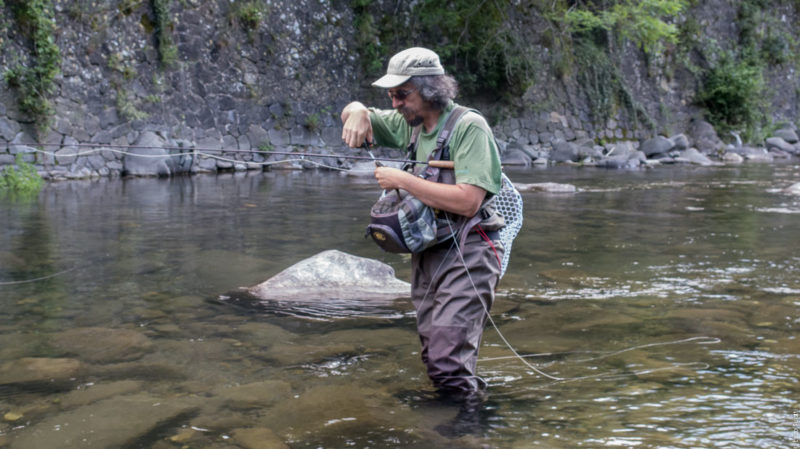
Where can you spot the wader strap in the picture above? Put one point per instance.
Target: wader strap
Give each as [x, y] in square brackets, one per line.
[442, 147]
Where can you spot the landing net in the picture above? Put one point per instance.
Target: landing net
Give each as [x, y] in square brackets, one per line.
[508, 203]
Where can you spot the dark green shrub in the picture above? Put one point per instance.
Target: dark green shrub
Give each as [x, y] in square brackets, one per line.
[732, 93]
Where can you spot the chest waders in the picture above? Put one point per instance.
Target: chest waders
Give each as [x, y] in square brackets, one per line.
[453, 282]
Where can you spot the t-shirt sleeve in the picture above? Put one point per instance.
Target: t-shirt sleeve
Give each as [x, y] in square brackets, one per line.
[389, 128]
[476, 157]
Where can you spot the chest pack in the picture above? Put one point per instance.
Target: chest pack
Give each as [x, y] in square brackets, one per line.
[401, 223]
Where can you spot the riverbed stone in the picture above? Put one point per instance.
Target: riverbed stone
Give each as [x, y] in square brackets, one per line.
[111, 423]
[258, 438]
[333, 274]
[103, 345]
[704, 137]
[99, 391]
[38, 369]
[253, 395]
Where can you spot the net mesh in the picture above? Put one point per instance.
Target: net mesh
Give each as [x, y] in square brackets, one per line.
[508, 203]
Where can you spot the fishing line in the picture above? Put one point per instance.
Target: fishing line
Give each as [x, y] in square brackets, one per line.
[700, 340]
[27, 281]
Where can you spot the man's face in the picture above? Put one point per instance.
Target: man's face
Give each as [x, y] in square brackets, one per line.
[408, 102]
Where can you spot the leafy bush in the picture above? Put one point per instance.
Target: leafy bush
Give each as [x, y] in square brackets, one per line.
[35, 82]
[732, 94]
[21, 178]
[642, 22]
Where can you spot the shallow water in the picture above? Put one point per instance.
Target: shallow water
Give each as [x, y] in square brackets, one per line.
[666, 301]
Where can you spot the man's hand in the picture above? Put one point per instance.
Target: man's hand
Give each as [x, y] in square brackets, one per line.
[357, 127]
[461, 199]
[391, 178]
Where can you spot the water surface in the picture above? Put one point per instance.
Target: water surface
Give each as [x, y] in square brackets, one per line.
[654, 309]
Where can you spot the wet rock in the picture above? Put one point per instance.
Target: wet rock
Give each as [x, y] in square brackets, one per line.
[777, 143]
[732, 158]
[680, 142]
[517, 157]
[656, 146]
[704, 136]
[103, 345]
[253, 395]
[564, 152]
[692, 156]
[548, 187]
[258, 438]
[111, 423]
[295, 354]
[333, 274]
[148, 158]
[787, 134]
[35, 369]
[324, 407]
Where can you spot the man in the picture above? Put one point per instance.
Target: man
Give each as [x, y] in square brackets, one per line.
[452, 285]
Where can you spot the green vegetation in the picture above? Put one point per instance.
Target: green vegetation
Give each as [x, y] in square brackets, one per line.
[167, 51]
[641, 22]
[34, 81]
[21, 178]
[732, 94]
[312, 122]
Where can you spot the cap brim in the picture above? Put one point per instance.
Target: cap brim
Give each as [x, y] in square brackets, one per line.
[390, 81]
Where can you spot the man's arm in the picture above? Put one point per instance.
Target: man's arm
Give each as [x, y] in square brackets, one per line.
[461, 199]
[356, 125]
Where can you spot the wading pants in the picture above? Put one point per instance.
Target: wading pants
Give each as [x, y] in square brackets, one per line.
[451, 312]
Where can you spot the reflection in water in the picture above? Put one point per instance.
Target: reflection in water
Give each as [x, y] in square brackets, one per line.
[667, 301]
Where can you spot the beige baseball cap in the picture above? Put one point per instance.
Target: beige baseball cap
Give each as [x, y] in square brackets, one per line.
[413, 61]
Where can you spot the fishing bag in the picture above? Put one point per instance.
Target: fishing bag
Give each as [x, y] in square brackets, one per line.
[401, 223]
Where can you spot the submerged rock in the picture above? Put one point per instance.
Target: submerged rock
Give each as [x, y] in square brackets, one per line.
[333, 274]
[38, 369]
[115, 422]
[103, 345]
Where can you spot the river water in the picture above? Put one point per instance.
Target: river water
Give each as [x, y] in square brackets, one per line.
[653, 309]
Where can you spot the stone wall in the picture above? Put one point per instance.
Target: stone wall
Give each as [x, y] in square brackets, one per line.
[240, 88]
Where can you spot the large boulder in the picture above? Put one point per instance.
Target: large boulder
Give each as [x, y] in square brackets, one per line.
[333, 274]
[704, 137]
[787, 134]
[656, 146]
[147, 157]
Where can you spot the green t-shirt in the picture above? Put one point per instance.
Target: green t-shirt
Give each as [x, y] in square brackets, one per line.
[472, 146]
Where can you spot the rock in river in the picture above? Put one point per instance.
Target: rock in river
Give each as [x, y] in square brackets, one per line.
[333, 274]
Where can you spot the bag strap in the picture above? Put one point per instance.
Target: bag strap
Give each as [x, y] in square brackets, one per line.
[441, 140]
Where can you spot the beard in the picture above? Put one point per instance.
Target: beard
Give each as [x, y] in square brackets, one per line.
[411, 117]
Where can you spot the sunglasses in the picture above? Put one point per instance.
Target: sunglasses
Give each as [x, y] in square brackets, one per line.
[400, 95]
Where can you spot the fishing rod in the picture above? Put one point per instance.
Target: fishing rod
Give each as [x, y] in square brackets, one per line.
[201, 150]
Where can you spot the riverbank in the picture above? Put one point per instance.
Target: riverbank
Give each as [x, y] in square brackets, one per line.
[546, 140]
